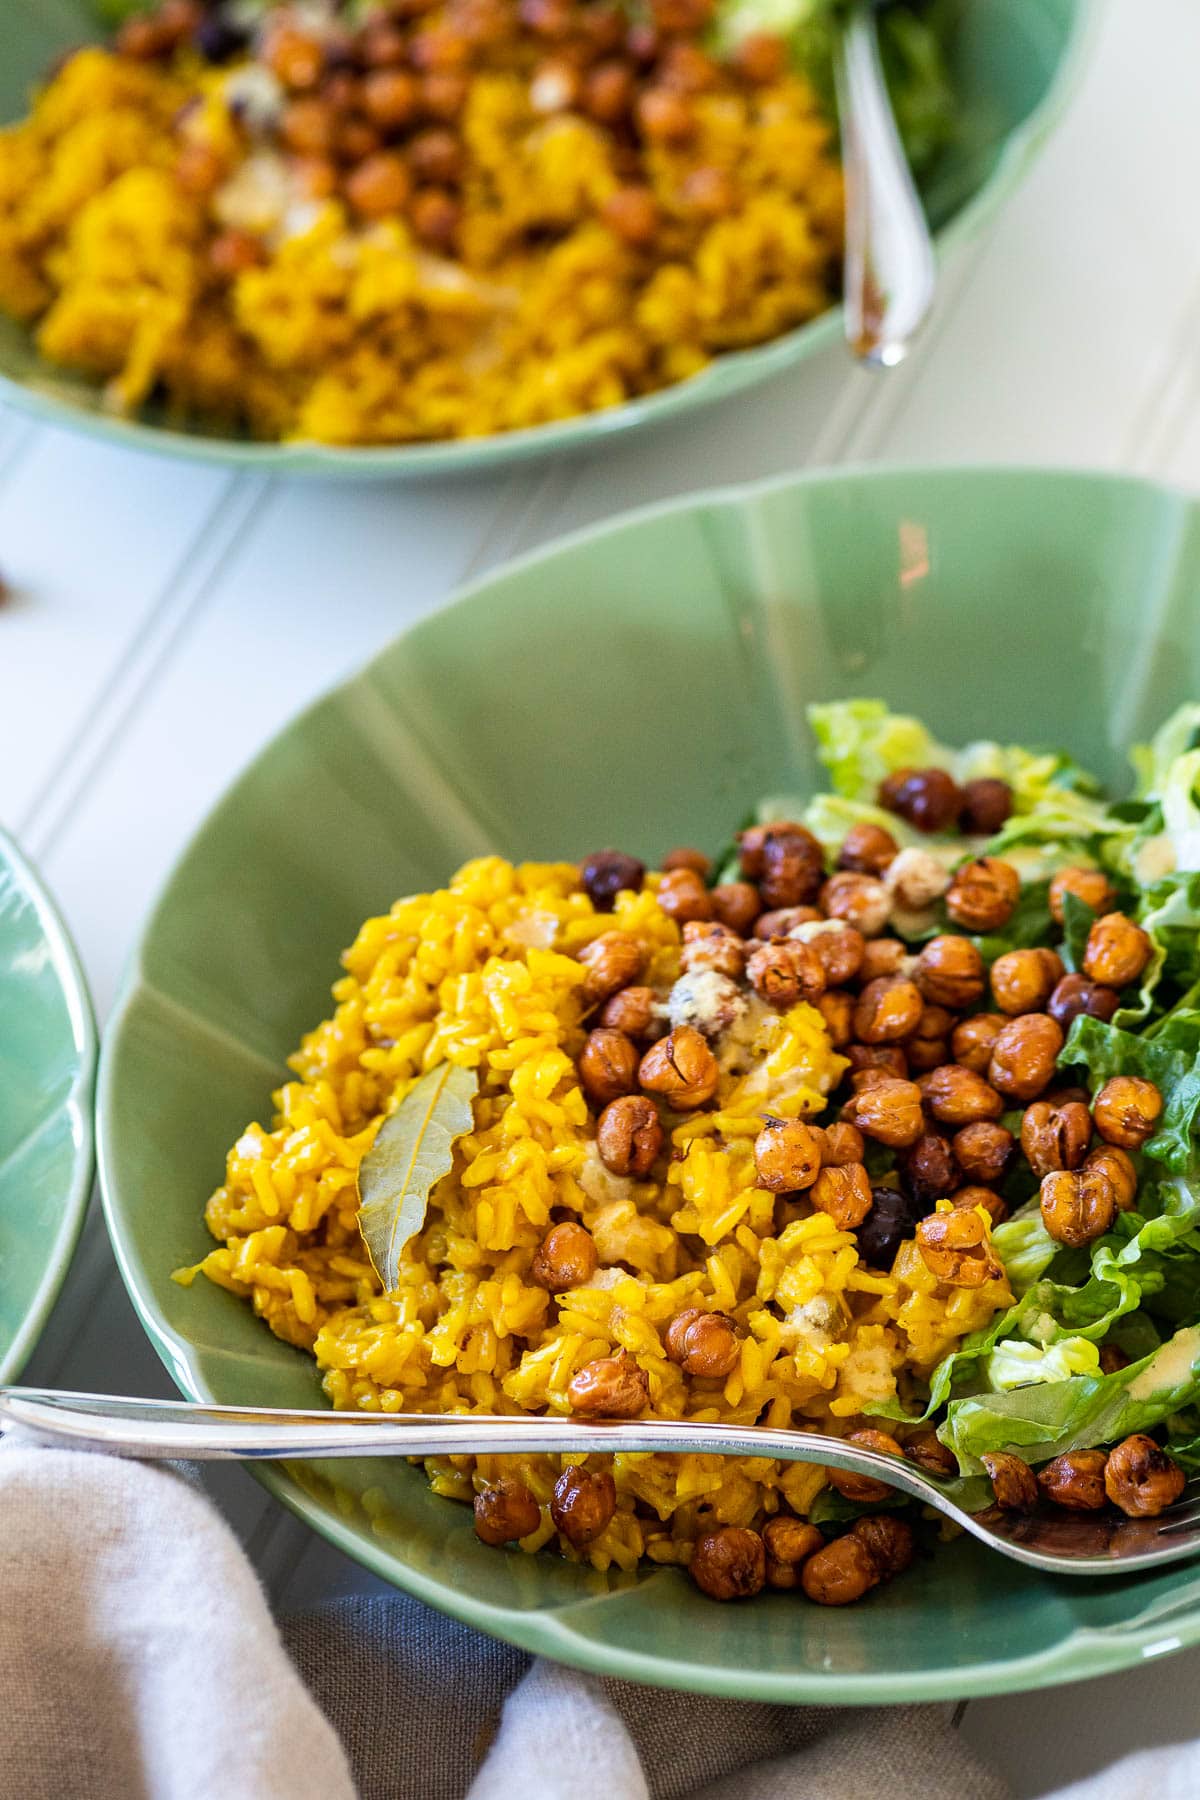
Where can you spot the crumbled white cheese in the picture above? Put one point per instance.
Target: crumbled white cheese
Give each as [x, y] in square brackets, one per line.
[711, 1003]
[599, 1183]
[818, 1323]
[915, 879]
[257, 195]
[254, 96]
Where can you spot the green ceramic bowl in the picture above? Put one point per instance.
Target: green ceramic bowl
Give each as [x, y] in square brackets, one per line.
[47, 1073]
[1011, 60]
[639, 684]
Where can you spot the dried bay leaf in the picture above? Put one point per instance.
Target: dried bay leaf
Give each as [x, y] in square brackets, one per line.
[413, 1150]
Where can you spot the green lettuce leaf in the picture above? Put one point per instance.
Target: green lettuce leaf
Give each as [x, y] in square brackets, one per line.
[1015, 1363]
[1167, 1057]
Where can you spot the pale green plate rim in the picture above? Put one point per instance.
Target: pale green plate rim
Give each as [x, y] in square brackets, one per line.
[728, 375]
[78, 1104]
[1084, 1654]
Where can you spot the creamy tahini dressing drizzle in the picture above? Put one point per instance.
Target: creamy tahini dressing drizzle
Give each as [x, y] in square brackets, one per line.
[1170, 1366]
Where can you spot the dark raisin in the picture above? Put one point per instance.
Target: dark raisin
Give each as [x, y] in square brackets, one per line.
[606, 872]
[893, 1218]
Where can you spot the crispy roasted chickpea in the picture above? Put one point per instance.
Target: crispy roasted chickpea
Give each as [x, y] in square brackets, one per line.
[436, 154]
[681, 1068]
[612, 960]
[704, 1344]
[608, 1065]
[710, 945]
[607, 873]
[1013, 1481]
[584, 1501]
[885, 956]
[983, 1151]
[761, 57]
[1075, 994]
[609, 91]
[729, 1563]
[840, 1144]
[1142, 1479]
[389, 99]
[633, 1010]
[987, 804]
[1078, 1205]
[787, 1155]
[930, 799]
[1127, 1110]
[1117, 1164]
[861, 900]
[505, 1512]
[929, 1045]
[864, 1489]
[1055, 1137]
[296, 58]
[876, 1059]
[752, 841]
[838, 947]
[840, 1573]
[928, 1169]
[959, 1096]
[916, 880]
[843, 1193]
[1092, 886]
[1023, 980]
[1023, 1056]
[629, 1135]
[1075, 1480]
[232, 252]
[888, 1542]
[1117, 951]
[784, 971]
[890, 1112]
[683, 896]
[684, 856]
[565, 1259]
[199, 169]
[888, 1009]
[793, 867]
[736, 904]
[785, 920]
[926, 1449]
[836, 1007]
[611, 1387]
[983, 894]
[790, 1541]
[949, 972]
[632, 212]
[867, 849]
[379, 185]
[443, 94]
[664, 116]
[972, 1196]
[956, 1249]
[307, 126]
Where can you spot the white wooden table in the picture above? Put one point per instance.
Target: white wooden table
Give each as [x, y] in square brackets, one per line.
[167, 620]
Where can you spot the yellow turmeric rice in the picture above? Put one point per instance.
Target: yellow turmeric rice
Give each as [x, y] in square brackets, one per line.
[471, 225]
[486, 974]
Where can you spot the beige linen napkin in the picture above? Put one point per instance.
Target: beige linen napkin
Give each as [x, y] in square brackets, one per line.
[138, 1658]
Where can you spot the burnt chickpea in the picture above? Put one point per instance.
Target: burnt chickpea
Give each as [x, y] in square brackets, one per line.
[704, 1344]
[955, 1248]
[929, 1171]
[983, 1151]
[838, 947]
[987, 804]
[736, 904]
[889, 1111]
[787, 1155]
[986, 1197]
[867, 849]
[1055, 1137]
[611, 1387]
[785, 971]
[607, 873]
[1075, 1480]
[629, 1135]
[664, 116]
[888, 1541]
[843, 1194]
[836, 1007]
[1075, 994]
[1142, 1479]
[793, 867]
[633, 1010]
[681, 1068]
[390, 98]
[949, 972]
[683, 896]
[783, 921]
[1117, 951]
[583, 1503]
[1118, 1165]
[729, 1563]
[608, 1065]
[613, 960]
[1078, 1205]
[790, 1541]
[712, 946]
[1013, 1481]
[861, 900]
[505, 1512]
[565, 1259]
[1092, 886]
[840, 1144]
[1023, 980]
[928, 1452]
[840, 1573]
[958, 1096]
[888, 1009]
[1127, 1110]
[983, 894]
[1024, 1056]
[1112, 1359]
[884, 956]
[930, 799]
[864, 1489]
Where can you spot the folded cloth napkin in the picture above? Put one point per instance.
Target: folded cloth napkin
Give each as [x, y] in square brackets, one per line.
[138, 1657]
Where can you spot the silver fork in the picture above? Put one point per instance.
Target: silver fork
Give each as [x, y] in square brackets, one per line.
[1059, 1542]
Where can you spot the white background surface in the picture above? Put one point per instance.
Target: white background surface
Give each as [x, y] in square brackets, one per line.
[167, 620]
